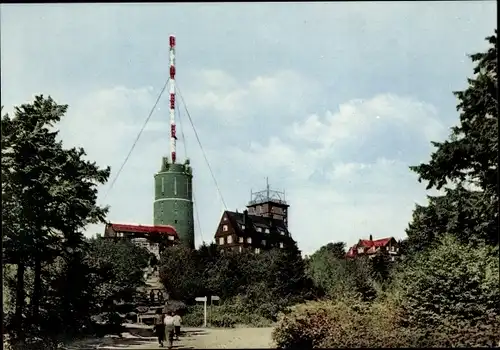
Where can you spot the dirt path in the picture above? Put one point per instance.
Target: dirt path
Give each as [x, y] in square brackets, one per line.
[193, 338]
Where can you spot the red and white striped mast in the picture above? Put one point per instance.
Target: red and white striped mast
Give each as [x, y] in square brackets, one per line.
[173, 137]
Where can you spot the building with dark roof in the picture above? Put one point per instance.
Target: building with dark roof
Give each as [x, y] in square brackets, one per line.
[264, 225]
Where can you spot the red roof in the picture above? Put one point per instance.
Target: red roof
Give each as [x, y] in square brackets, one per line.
[366, 243]
[377, 243]
[162, 229]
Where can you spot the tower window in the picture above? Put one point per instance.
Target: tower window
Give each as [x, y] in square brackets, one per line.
[162, 185]
[175, 221]
[224, 228]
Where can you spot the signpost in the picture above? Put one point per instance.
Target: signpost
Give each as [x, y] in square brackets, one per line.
[212, 299]
[204, 300]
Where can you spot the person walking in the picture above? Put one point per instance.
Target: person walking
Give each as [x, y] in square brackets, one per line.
[169, 328]
[177, 325]
[159, 327]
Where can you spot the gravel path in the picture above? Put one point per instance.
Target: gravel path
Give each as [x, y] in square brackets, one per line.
[193, 338]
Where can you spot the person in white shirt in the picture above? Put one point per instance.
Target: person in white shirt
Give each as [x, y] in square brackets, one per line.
[169, 328]
[177, 325]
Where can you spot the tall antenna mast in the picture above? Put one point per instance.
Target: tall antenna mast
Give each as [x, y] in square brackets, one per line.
[173, 137]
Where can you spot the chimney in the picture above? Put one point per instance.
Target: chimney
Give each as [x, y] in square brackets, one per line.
[245, 217]
[371, 238]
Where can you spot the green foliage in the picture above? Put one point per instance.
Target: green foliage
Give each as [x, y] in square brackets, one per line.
[124, 263]
[453, 291]
[343, 323]
[339, 278]
[227, 315]
[260, 284]
[48, 195]
[56, 281]
[467, 164]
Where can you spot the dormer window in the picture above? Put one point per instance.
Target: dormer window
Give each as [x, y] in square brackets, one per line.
[170, 238]
[360, 250]
[266, 230]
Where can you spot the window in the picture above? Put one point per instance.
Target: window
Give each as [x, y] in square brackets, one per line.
[240, 239]
[242, 227]
[162, 185]
[393, 249]
[229, 239]
[264, 242]
[170, 238]
[281, 245]
[241, 249]
[360, 250]
[259, 229]
[282, 232]
[224, 228]
[221, 240]
[257, 250]
[249, 240]
[266, 230]
[224, 219]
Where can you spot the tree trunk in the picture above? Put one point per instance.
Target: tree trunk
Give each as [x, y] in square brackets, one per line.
[37, 289]
[20, 301]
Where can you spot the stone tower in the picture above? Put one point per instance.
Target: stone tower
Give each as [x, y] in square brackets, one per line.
[173, 203]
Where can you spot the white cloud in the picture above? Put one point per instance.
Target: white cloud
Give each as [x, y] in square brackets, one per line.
[219, 94]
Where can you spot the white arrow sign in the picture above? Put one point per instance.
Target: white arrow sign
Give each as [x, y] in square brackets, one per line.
[200, 299]
[215, 297]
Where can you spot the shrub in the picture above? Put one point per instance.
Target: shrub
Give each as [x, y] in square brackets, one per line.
[226, 315]
[347, 323]
[451, 293]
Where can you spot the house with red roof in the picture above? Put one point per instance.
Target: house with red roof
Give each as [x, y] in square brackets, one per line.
[153, 238]
[370, 247]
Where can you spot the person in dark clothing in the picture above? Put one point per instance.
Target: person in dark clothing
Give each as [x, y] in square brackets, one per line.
[159, 327]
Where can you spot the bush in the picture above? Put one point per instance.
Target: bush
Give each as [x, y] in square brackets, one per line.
[452, 293]
[226, 315]
[347, 323]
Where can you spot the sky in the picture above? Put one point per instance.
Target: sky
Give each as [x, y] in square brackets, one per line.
[331, 101]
